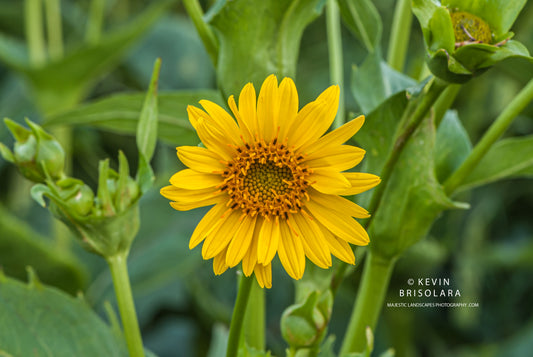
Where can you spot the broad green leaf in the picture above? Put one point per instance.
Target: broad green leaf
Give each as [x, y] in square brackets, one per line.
[258, 38]
[42, 321]
[120, 113]
[364, 21]
[20, 246]
[506, 159]
[147, 126]
[375, 81]
[452, 145]
[412, 200]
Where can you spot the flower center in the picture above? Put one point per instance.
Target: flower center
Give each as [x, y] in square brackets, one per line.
[267, 179]
[469, 28]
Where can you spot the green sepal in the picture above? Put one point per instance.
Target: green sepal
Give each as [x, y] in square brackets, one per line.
[6, 153]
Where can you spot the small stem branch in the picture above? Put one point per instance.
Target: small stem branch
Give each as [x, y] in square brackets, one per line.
[54, 29]
[121, 281]
[237, 319]
[369, 302]
[336, 72]
[254, 319]
[498, 127]
[33, 18]
[95, 21]
[206, 34]
[413, 121]
[400, 32]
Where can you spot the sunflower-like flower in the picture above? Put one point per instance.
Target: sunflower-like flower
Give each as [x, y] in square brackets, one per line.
[274, 180]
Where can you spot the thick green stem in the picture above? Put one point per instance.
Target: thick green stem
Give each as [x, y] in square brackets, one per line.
[237, 319]
[254, 319]
[498, 127]
[400, 32]
[411, 123]
[445, 101]
[121, 281]
[54, 28]
[95, 21]
[369, 302]
[336, 72]
[206, 34]
[33, 18]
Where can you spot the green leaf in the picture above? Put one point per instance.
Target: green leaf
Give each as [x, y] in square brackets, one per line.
[20, 246]
[452, 145]
[147, 127]
[508, 158]
[375, 81]
[364, 21]
[258, 38]
[219, 341]
[120, 113]
[42, 321]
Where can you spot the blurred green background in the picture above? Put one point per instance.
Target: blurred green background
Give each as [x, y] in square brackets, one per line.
[486, 252]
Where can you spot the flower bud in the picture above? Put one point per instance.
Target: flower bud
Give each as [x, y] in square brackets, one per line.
[35, 153]
[78, 196]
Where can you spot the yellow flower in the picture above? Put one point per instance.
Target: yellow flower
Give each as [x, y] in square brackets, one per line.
[274, 180]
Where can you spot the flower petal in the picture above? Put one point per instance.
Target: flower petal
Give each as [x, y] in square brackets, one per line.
[214, 139]
[338, 247]
[288, 108]
[186, 206]
[263, 274]
[268, 241]
[200, 159]
[360, 182]
[268, 106]
[339, 158]
[248, 108]
[336, 137]
[189, 196]
[313, 241]
[223, 120]
[194, 180]
[328, 180]
[219, 263]
[243, 125]
[207, 224]
[241, 241]
[250, 259]
[219, 238]
[341, 225]
[338, 204]
[291, 252]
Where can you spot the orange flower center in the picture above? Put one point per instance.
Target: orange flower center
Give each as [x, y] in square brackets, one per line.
[267, 179]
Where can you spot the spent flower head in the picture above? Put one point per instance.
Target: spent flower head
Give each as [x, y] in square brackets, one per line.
[465, 38]
[275, 181]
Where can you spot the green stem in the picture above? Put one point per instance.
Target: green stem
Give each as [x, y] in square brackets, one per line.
[237, 319]
[445, 101]
[206, 34]
[400, 32]
[412, 122]
[369, 301]
[33, 18]
[55, 31]
[95, 21]
[498, 127]
[121, 281]
[336, 72]
[254, 318]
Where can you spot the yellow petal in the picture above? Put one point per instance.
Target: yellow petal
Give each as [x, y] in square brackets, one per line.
[250, 259]
[186, 206]
[338, 204]
[336, 137]
[207, 224]
[219, 263]
[268, 107]
[200, 159]
[219, 238]
[341, 225]
[291, 252]
[268, 241]
[223, 120]
[339, 158]
[248, 108]
[313, 241]
[194, 180]
[189, 196]
[360, 182]
[243, 125]
[328, 180]
[338, 247]
[263, 274]
[288, 107]
[214, 139]
[298, 132]
[241, 241]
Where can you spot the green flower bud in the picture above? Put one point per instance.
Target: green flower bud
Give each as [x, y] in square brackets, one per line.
[303, 325]
[35, 153]
[78, 196]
